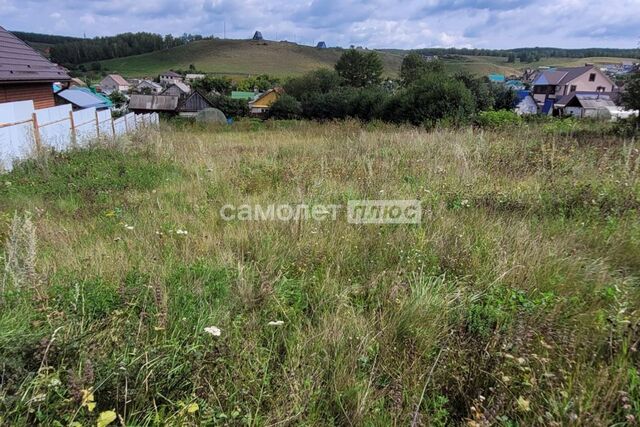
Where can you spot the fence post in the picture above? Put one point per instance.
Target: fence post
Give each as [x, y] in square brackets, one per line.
[126, 124]
[73, 129]
[113, 127]
[36, 132]
[97, 124]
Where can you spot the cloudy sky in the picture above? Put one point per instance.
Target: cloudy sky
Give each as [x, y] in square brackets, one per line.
[372, 23]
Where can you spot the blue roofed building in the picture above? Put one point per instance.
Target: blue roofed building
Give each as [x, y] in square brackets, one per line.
[525, 103]
[81, 98]
[497, 78]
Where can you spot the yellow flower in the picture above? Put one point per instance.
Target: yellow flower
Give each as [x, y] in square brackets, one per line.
[105, 418]
[88, 400]
[523, 404]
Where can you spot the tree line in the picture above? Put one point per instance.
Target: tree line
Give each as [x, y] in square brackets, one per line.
[82, 51]
[529, 54]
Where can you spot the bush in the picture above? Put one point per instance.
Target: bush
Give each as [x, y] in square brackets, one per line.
[285, 107]
[230, 107]
[433, 98]
[498, 119]
[313, 83]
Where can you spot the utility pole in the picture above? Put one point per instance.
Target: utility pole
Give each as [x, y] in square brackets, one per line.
[224, 23]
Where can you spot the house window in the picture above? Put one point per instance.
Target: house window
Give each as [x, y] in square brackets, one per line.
[572, 88]
[600, 89]
[592, 77]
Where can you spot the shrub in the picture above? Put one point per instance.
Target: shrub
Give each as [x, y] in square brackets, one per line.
[313, 83]
[433, 98]
[229, 106]
[498, 119]
[286, 107]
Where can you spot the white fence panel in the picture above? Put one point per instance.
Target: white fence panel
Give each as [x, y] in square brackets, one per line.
[54, 125]
[85, 123]
[22, 128]
[131, 122]
[17, 141]
[120, 126]
[104, 123]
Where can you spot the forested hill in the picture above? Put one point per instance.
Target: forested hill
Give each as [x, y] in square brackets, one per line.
[49, 39]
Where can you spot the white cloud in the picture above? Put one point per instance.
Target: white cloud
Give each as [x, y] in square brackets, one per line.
[373, 23]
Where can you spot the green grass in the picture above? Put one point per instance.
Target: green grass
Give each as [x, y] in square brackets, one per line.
[246, 57]
[514, 302]
[238, 58]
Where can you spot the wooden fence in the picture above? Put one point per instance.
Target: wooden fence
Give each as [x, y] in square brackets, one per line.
[25, 130]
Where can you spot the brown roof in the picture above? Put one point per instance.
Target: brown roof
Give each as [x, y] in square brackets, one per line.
[120, 81]
[153, 102]
[171, 74]
[562, 76]
[21, 63]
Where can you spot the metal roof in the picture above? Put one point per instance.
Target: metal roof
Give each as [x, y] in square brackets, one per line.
[118, 79]
[171, 74]
[83, 98]
[588, 99]
[153, 102]
[236, 94]
[21, 63]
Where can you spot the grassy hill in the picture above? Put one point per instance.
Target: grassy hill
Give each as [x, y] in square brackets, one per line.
[248, 57]
[238, 57]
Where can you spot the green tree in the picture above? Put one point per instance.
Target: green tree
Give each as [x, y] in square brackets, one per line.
[209, 84]
[360, 69]
[413, 67]
[285, 107]
[433, 98]
[312, 83]
[117, 98]
[631, 95]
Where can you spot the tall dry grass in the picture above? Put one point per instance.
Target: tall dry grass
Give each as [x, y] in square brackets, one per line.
[513, 302]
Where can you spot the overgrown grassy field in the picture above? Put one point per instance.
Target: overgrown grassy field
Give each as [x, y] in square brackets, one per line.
[514, 302]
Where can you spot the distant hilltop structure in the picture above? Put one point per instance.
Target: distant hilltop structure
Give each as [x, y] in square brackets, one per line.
[258, 36]
[321, 45]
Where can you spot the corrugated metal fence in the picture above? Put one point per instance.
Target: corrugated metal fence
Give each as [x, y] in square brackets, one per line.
[25, 130]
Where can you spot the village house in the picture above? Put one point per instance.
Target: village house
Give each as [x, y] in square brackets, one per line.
[190, 105]
[81, 98]
[141, 104]
[263, 102]
[552, 84]
[190, 78]
[114, 83]
[177, 89]
[148, 87]
[597, 105]
[525, 104]
[169, 78]
[25, 74]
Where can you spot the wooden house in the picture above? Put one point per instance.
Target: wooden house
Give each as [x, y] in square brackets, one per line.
[192, 103]
[25, 74]
[177, 89]
[263, 102]
[114, 83]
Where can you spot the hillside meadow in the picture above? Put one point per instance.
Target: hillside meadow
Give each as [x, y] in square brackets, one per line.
[238, 58]
[126, 297]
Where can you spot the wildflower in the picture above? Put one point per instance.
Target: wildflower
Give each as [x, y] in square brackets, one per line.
[276, 323]
[464, 203]
[213, 330]
[105, 418]
[182, 232]
[128, 227]
[523, 404]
